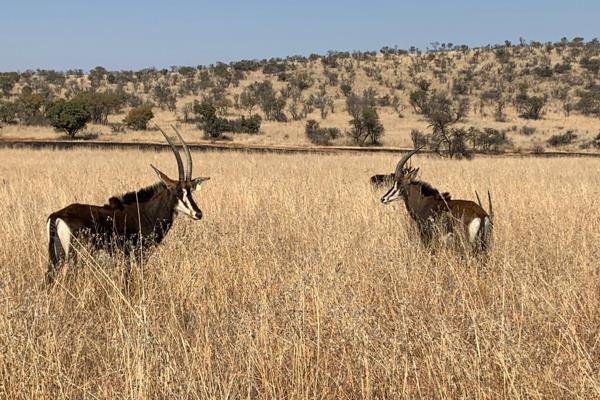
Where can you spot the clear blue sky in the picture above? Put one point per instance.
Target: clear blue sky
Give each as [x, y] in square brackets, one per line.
[124, 34]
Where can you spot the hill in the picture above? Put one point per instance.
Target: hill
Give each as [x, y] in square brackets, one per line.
[529, 96]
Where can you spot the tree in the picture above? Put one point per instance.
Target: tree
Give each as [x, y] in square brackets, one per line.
[266, 97]
[96, 77]
[100, 105]
[138, 117]
[8, 81]
[248, 99]
[68, 115]
[418, 100]
[29, 107]
[164, 97]
[442, 112]
[365, 122]
[533, 107]
[323, 102]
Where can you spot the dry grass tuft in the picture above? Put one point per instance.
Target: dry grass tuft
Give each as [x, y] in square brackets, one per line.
[298, 283]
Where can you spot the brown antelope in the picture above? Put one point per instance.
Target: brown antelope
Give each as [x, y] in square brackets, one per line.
[135, 220]
[436, 212]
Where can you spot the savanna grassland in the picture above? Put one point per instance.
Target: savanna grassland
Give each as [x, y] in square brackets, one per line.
[298, 283]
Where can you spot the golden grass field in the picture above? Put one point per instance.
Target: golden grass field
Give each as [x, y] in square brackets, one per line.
[298, 283]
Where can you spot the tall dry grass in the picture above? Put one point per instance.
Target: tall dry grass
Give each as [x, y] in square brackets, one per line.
[298, 283]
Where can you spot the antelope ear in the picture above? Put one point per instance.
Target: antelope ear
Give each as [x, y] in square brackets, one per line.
[163, 177]
[412, 175]
[198, 181]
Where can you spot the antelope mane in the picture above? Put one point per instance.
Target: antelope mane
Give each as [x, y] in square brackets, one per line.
[429, 191]
[139, 196]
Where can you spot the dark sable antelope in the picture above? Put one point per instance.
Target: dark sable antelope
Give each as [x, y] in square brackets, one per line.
[436, 213]
[135, 220]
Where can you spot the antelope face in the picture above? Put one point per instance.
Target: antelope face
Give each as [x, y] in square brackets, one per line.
[394, 193]
[402, 178]
[182, 191]
[185, 202]
[183, 187]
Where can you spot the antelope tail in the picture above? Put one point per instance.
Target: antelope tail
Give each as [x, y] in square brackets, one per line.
[491, 212]
[54, 250]
[488, 222]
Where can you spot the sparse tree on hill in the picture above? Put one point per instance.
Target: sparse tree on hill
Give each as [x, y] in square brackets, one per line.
[366, 128]
[442, 112]
[68, 115]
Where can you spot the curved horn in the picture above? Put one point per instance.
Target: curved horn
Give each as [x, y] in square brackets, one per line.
[188, 156]
[404, 159]
[176, 152]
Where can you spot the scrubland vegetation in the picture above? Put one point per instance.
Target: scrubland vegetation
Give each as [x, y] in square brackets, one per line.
[298, 283]
[452, 98]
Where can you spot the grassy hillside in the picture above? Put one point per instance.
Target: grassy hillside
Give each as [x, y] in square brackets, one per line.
[497, 85]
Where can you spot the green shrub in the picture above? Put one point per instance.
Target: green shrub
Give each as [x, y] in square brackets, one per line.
[138, 117]
[320, 136]
[8, 112]
[562, 139]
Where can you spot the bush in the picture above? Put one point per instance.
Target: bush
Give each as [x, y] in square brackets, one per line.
[69, 116]
[214, 126]
[418, 138]
[591, 64]
[8, 112]
[320, 136]
[346, 89]
[596, 141]
[249, 125]
[543, 71]
[532, 106]
[562, 139]
[489, 139]
[538, 148]
[138, 117]
[589, 102]
[528, 130]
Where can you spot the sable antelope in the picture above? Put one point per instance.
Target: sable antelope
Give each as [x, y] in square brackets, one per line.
[436, 212]
[138, 219]
[382, 180]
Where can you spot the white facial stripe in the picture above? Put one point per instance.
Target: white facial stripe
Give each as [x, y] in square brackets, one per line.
[184, 205]
[393, 194]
